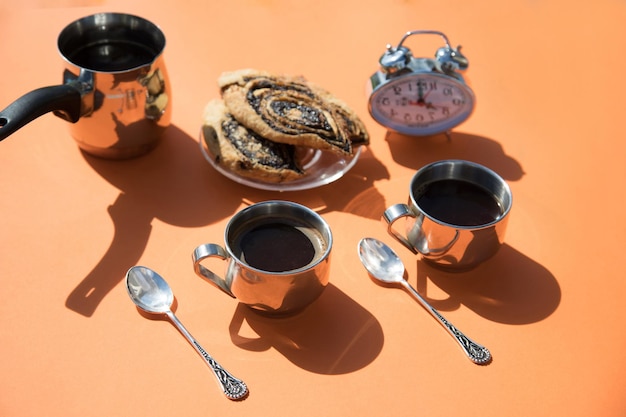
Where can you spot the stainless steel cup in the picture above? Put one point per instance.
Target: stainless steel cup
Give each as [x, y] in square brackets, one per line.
[115, 89]
[269, 291]
[446, 243]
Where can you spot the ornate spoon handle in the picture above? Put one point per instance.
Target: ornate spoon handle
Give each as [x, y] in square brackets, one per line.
[476, 353]
[233, 388]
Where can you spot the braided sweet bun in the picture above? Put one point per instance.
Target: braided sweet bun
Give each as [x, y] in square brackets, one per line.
[244, 152]
[291, 110]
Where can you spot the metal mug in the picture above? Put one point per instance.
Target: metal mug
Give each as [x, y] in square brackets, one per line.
[276, 289]
[457, 213]
[115, 89]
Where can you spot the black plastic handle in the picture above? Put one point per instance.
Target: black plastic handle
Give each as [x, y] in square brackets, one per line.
[64, 100]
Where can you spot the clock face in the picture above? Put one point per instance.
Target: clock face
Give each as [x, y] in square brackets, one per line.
[422, 104]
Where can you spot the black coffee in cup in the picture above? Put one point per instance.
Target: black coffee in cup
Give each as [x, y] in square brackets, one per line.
[456, 214]
[277, 254]
[277, 244]
[458, 202]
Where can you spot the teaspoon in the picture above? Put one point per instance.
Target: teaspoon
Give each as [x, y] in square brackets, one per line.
[151, 293]
[384, 265]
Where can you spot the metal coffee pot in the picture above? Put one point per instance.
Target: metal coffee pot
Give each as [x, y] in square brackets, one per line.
[115, 90]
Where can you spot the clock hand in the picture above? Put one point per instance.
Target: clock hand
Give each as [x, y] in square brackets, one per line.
[420, 94]
[421, 99]
[424, 99]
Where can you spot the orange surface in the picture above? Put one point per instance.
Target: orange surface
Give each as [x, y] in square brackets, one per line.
[549, 81]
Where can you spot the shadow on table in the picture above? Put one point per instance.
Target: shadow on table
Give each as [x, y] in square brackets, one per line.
[334, 335]
[173, 184]
[509, 288]
[415, 152]
[334, 196]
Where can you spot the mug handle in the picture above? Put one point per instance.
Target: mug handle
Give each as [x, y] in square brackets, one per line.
[207, 251]
[397, 211]
[392, 214]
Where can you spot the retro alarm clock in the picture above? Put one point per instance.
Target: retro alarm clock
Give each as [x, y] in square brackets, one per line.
[420, 96]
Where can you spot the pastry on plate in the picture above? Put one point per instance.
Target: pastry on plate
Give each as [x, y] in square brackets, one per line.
[245, 152]
[291, 110]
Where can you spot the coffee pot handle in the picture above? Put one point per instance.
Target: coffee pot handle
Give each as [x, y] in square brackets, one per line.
[63, 100]
[203, 252]
[394, 213]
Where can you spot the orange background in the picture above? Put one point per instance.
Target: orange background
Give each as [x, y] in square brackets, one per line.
[548, 76]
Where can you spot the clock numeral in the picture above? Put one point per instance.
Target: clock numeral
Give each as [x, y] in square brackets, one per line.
[457, 101]
[423, 85]
[445, 110]
[447, 91]
[397, 90]
[385, 101]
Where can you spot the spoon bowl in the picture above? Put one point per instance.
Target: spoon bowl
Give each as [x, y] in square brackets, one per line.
[148, 290]
[151, 293]
[384, 265]
[381, 261]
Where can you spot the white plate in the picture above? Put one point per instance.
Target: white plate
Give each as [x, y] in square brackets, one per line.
[320, 168]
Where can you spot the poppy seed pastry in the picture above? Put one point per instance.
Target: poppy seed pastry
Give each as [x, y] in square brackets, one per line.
[291, 110]
[244, 152]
